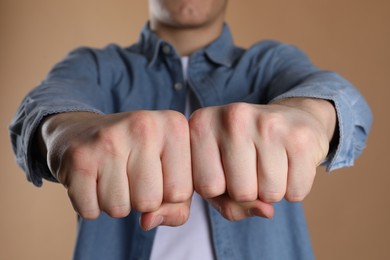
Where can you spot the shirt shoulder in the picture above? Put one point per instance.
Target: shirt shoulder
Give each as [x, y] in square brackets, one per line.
[273, 50]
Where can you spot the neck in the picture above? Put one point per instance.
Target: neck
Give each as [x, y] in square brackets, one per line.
[187, 40]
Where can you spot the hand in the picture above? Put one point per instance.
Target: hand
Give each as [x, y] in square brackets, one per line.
[245, 157]
[113, 163]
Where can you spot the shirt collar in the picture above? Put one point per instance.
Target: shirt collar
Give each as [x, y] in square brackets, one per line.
[220, 51]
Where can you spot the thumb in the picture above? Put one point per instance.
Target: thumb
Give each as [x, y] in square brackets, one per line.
[233, 210]
[169, 214]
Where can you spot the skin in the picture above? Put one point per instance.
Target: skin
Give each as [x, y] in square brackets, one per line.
[246, 157]
[240, 157]
[187, 24]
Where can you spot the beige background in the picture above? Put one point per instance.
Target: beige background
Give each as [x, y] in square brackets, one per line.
[348, 211]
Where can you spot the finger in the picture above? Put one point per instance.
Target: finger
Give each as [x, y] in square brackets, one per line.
[113, 188]
[169, 214]
[83, 195]
[207, 170]
[272, 171]
[176, 166]
[234, 211]
[145, 179]
[239, 164]
[301, 174]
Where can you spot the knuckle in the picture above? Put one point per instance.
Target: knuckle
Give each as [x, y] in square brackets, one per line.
[301, 137]
[76, 158]
[179, 216]
[235, 117]
[89, 214]
[270, 124]
[198, 123]
[209, 191]
[229, 213]
[76, 173]
[105, 139]
[146, 205]
[118, 211]
[142, 125]
[73, 154]
[176, 196]
[175, 118]
[183, 214]
[271, 197]
[306, 143]
[178, 124]
[243, 196]
[294, 196]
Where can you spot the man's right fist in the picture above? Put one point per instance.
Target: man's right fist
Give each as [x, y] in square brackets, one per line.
[114, 163]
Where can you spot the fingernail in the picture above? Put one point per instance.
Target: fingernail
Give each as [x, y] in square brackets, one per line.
[158, 220]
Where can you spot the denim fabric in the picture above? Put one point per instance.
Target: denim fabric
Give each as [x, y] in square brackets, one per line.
[145, 76]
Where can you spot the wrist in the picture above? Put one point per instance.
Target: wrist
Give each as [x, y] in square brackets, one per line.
[322, 110]
[51, 125]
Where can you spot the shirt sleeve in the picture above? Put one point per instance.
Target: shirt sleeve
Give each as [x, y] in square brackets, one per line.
[74, 84]
[296, 76]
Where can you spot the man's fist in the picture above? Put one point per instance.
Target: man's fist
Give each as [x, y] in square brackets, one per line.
[117, 162]
[245, 156]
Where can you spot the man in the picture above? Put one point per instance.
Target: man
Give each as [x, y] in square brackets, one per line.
[110, 127]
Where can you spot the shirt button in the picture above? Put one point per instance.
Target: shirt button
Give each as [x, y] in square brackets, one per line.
[178, 86]
[166, 49]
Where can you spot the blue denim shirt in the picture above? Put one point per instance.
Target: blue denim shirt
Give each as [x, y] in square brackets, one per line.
[143, 76]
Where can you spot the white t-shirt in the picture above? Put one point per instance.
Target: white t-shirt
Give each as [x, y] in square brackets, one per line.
[191, 241]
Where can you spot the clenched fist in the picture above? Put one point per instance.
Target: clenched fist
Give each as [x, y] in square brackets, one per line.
[117, 162]
[245, 156]
[241, 158]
